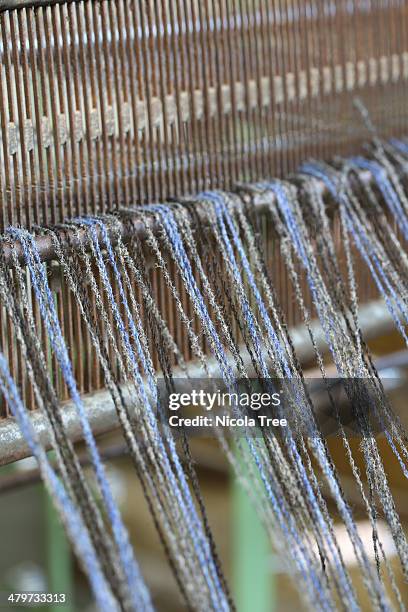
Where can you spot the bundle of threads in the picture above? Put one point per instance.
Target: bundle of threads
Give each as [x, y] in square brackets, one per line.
[212, 262]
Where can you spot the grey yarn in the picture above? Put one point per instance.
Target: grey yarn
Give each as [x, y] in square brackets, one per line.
[234, 302]
[161, 495]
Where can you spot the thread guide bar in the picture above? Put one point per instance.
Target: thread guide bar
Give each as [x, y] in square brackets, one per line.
[259, 201]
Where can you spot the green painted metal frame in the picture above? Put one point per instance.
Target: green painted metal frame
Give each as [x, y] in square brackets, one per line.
[254, 585]
[59, 558]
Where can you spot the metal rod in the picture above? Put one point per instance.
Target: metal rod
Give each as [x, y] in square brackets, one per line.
[99, 408]
[126, 229]
[18, 480]
[46, 249]
[374, 319]
[133, 227]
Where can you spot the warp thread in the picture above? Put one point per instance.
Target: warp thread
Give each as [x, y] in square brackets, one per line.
[225, 298]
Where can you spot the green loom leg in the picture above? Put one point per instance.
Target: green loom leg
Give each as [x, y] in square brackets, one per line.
[252, 576]
[59, 559]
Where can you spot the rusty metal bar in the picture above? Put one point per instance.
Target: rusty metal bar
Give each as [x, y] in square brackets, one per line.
[117, 450]
[46, 248]
[374, 321]
[133, 227]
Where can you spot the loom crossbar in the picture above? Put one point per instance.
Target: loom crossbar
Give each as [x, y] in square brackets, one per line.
[374, 319]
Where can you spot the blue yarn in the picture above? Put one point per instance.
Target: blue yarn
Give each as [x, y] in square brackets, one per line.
[182, 260]
[387, 190]
[399, 326]
[138, 589]
[296, 237]
[170, 225]
[72, 519]
[131, 339]
[208, 561]
[297, 240]
[361, 240]
[201, 544]
[288, 526]
[222, 210]
[291, 225]
[400, 145]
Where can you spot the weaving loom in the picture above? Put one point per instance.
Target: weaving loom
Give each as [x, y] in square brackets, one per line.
[187, 197]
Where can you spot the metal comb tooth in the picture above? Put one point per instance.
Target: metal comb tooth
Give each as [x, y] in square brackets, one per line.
[113, 103]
